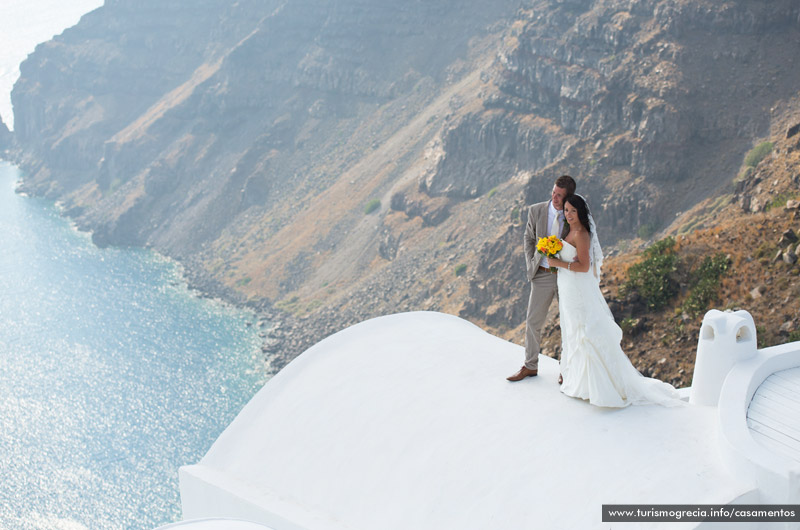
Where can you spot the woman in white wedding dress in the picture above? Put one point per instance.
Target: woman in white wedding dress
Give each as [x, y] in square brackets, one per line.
[593, 365]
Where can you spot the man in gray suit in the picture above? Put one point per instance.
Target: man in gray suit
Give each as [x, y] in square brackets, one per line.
[544, 219]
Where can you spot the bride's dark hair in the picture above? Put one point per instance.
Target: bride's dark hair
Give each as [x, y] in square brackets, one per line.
[577, 202]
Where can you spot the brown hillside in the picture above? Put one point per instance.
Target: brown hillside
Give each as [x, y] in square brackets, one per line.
[757, 225]
[249, 139]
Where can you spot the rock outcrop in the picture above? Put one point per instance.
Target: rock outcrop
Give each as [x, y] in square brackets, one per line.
[644, 102]
[247, 138]
[5, 136]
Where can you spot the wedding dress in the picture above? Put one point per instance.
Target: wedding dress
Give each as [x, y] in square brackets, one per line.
[593, 365]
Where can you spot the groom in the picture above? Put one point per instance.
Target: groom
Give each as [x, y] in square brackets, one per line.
[544, 219]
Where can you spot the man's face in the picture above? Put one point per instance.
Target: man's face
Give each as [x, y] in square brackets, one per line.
[559, 194]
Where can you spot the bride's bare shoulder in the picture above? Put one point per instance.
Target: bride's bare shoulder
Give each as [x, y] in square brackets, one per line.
[581, 238]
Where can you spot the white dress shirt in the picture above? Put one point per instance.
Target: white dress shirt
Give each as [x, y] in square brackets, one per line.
[555, 224]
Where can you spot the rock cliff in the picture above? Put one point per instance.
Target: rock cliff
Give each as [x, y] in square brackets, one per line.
[339, 160]
[651, 104]
[5, 136]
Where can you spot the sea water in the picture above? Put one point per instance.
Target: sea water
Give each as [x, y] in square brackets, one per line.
[112, 375]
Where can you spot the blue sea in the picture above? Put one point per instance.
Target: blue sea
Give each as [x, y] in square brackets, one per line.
[112, 375]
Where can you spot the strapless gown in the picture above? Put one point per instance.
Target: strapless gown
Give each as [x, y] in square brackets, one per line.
[593, 365]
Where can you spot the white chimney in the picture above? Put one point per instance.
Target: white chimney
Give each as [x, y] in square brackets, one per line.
[725, 339]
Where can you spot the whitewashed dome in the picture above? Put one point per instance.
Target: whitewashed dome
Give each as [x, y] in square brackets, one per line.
[407, 421]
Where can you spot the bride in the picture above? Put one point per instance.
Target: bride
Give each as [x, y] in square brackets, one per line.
[593, 365]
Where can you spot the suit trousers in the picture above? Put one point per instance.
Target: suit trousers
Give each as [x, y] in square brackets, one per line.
[543, 289]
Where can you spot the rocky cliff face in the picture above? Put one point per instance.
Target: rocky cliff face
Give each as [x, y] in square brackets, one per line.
[650, 104]
[5, 137]
[247, 138]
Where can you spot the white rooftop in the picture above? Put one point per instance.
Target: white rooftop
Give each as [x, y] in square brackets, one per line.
[774, 413]
[407, 421]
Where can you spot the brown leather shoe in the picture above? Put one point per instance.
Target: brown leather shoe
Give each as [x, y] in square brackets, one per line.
[522, 374]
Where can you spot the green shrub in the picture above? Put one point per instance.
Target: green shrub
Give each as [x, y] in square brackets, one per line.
[758, 153]
[704, 284]
[646, 231]
[298, 307]
[371, 206]
[766, 249]
[660, 248]
[780, 200]
[115, 184]
[761, 336]
[491, 193]
[654, 277]
[461, 268]
[288, 304]
[627, 325]
[745, 173]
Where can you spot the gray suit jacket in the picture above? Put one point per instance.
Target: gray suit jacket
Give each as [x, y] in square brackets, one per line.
[536, 228]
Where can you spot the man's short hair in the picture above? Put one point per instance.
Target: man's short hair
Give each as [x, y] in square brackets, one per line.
[566, 182]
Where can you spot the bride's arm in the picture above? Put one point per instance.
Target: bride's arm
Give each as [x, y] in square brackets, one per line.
[581, 263]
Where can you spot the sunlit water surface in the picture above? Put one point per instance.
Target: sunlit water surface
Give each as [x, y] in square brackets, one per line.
[112, 375]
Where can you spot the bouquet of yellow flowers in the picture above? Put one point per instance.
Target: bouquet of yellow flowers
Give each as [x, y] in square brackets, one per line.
[549, 246]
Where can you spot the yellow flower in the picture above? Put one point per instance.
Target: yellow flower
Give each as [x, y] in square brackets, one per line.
[549, 246]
